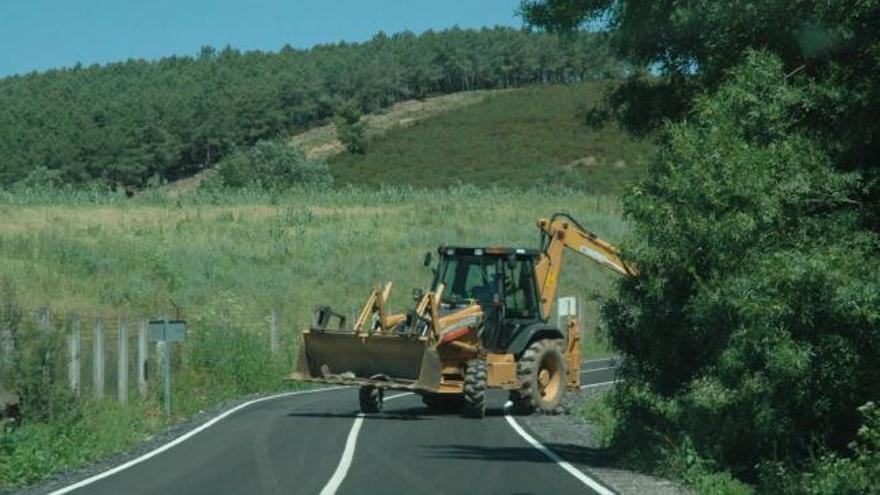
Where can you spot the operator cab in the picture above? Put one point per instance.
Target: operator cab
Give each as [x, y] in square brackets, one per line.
[501, 280]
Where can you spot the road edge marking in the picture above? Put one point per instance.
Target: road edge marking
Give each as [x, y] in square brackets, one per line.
[600, 384]
[577, 473]
[591, 370]
[186, 436]
[348, 452]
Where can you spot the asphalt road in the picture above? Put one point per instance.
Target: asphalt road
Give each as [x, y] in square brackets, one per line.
[317, 441]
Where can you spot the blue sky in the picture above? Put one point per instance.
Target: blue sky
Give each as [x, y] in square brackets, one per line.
[44, 34]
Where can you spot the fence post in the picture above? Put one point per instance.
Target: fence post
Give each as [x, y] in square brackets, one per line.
[99, 358]
[73, 345]
[43, 326]
[273, 334]
[8, 341]
[142, 357]
[43, 318]
[122, 362]
[163, 351]
[7, 347]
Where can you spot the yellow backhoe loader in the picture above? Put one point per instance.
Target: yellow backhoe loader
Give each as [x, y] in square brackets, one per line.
[484, 324]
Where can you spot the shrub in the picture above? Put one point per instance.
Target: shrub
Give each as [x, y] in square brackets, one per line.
[273, 166]
[40, 178]
[753, 328]
[350, 128]
[835, 474]
[29, 367]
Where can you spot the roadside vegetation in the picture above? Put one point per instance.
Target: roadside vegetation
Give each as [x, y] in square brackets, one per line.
[226, 259]
[751, 336]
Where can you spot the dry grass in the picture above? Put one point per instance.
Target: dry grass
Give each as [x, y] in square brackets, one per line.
[128, 219]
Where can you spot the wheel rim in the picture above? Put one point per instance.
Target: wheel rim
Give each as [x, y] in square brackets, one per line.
[548, 378]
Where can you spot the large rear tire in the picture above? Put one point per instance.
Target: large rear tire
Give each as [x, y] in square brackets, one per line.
[371, 399]
[541, 370]
[443, 403]
[475, 389]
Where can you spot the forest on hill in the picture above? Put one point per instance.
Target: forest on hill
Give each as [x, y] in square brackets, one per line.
[134, 122]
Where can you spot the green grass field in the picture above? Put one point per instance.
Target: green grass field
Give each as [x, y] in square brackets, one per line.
[257, 253]
[517, 138]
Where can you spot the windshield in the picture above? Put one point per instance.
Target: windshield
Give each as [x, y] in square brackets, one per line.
[470, 277]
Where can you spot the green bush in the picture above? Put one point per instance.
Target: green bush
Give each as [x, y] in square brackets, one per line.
[753, 327]
[272, 166]
[834, 474]
[350, 128]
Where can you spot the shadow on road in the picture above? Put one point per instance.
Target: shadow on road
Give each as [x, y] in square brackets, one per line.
[572, 453]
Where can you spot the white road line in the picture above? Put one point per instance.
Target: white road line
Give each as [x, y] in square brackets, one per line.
[348, 454]
[598, 384]
[598, 369]
[577, 473]
[181, 439]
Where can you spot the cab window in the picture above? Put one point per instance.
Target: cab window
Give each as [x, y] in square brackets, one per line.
[470, 277]
[520, 298]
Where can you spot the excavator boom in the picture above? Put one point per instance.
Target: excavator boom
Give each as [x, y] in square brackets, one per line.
[562, 231]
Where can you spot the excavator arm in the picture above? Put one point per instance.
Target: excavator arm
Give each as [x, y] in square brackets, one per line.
[562, 231]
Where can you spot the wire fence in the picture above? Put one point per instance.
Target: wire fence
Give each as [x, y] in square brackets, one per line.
[98, 355]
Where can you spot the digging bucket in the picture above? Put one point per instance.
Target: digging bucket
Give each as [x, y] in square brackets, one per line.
[389, 361]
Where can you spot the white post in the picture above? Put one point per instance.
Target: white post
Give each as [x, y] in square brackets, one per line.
[122, 362]
[99, 358]
[43, 318]
[73, 346]
[43, 325]
[273, 332]
[7, 347]
[142, 357]
[163, 351]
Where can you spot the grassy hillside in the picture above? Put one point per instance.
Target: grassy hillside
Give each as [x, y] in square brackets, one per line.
[133, 122]
[515, 138]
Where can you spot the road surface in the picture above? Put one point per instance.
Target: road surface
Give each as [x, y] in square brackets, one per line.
[317, 442]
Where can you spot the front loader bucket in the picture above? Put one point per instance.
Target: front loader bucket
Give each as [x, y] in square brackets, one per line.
[389, 361]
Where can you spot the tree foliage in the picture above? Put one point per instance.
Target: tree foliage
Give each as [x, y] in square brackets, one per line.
[753, 330]
[753, 327]
[830, 48]
[350, 129]
[126, 122]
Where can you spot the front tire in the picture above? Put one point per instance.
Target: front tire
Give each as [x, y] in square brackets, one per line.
[541, 370]
[371, 399]
[475, 389]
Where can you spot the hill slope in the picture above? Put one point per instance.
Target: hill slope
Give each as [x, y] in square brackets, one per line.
[130, 122]
[516, 138]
